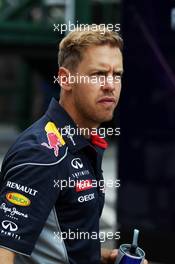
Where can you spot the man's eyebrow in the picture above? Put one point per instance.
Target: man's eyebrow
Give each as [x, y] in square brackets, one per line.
[100, 65]
[100, 68]
[97, 69]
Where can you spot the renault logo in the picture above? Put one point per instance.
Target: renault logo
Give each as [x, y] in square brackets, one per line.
[77, 163]
[8, 225]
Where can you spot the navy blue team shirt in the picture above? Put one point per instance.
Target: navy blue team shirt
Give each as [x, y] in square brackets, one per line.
[50, 199]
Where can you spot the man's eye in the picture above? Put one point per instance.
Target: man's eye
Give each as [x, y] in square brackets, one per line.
[100, 73]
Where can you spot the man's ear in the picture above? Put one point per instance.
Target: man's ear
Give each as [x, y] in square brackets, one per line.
[64, 75]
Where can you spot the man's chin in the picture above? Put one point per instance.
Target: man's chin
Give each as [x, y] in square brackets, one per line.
[106, 119]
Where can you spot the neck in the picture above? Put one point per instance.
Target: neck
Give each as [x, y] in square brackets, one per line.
[83, 124]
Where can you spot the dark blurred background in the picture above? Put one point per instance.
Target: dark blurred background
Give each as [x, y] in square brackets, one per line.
[147, 142]
[146, 114]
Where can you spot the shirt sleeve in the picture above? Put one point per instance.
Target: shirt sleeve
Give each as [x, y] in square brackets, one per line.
[27, 195]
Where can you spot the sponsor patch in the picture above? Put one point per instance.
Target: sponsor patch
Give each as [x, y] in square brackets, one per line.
[86, 198]
[18, 199]
[9, 225]
[55, 140]
[9, 228]
[77, 163]
[83, 185]
[80, 173]
[12, 212]
[19, 187]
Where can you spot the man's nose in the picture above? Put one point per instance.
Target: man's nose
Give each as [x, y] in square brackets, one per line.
[109, 83]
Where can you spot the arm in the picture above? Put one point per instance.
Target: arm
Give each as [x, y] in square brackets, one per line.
[6, 256]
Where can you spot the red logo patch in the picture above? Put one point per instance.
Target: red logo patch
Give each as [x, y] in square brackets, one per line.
[83, 185]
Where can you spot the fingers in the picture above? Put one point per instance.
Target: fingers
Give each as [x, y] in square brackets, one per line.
[114, 253]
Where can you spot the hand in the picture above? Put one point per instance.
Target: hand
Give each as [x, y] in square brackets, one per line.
[109, 256]
[6, 256]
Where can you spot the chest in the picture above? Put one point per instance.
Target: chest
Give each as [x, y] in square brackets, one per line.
[83, 188]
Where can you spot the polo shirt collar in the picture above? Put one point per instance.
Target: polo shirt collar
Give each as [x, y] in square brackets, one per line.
[74, 141]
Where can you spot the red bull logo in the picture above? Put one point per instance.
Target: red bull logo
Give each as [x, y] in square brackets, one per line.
[55, 140]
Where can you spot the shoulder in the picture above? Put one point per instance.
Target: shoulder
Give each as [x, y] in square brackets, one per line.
[39, 145]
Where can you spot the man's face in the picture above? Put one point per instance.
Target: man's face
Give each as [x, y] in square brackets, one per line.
[96, 98]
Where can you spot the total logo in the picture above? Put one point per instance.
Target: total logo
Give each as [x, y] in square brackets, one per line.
[86, 198]
[9, 229]
[18, 199]
[83, 185]
[77, 163]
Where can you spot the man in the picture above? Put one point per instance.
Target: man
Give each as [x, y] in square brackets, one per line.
[38, 201]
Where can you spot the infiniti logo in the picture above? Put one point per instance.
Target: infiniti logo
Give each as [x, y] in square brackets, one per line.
[8, 225]
[77, 163]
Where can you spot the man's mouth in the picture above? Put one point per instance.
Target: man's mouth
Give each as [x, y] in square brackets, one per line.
[107, 101]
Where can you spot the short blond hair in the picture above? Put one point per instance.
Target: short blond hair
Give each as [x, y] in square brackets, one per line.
[72, 46]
